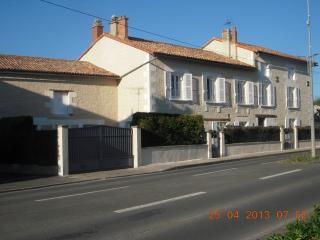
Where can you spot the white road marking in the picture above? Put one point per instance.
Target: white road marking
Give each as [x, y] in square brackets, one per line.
[80, 194]
[159, 202]
[224, 170]
[265, 163]
[280, 174]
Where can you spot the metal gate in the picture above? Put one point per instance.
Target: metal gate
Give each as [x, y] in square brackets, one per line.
[99, 148]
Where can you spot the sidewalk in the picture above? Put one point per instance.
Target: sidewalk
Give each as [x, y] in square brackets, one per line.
[154, 168]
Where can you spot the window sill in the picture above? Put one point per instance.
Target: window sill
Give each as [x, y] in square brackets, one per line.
[215, 103]
[245, 105]
[293, 108]
[179, 100]
[267, 106]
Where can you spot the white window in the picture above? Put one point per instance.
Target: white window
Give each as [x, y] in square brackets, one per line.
[179, 86]
[244, 91]
[291, 73]
[264, 69]
[61, 103]
[214, 89]
[266, 94]
[293, 97]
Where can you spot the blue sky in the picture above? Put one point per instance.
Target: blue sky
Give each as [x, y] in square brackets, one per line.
[38, 29]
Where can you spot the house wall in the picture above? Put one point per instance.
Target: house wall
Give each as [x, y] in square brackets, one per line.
[93, 99]
[279, 76]
[132, 65]
[217, 112]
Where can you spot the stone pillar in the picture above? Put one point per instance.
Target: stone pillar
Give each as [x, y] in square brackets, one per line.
[136, 146]
[222, 144]
[209, 144]
[63, 153]
[296, 137]
[282, 140]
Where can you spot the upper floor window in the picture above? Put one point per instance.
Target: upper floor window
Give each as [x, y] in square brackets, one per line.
[264, 69]
[244, 92]
[179, 86]
[61, 103]
[293, 97]
[214, 89]
[291, 73]
[266, 94]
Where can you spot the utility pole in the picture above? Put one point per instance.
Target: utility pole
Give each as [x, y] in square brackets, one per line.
[310, 66]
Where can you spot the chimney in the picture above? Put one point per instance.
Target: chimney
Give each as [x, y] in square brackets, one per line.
[119, 27]
[230, 34]
[97, 30]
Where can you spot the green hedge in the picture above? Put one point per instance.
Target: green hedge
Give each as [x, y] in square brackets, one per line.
[305, 134]
[302, 230]
[20, 143]
[159, 129]
[251, 134]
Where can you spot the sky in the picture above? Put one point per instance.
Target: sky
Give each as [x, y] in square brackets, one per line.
[34, 28]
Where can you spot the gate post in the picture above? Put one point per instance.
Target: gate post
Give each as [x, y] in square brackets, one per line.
[209, 143]
[63, 153]
[136, 146]
[282, 140]
[296, 137]
[222, 144]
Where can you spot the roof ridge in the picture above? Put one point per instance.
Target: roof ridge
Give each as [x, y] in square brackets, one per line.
[39, 57]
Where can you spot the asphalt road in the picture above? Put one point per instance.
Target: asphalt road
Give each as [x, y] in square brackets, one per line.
[240, 200]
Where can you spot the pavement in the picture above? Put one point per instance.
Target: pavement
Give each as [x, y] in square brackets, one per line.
[236, 200]
[9, 183]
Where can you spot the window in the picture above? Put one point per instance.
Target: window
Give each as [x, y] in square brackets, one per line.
[240, 92]
[266, 94]
[179, 86]
[291, 74]
[293, 97]
[211, 90]
[264, 69]
[61, 103]
[244, 91]
[176, 86]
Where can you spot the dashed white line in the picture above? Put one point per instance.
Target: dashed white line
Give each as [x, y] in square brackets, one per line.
[218, 171]
[159, 202]
[80, 194]
[280, 174]
[265, 163]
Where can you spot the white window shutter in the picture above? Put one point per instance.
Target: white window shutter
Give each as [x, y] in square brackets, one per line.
[221, 90]
[298, 97]
[295, 97]
[249, 94]
[167, 76]
[273, 95]
[294, 74]
[236, 93]
[268, 71]
[204, 88]
[260, 89]
[187, 79]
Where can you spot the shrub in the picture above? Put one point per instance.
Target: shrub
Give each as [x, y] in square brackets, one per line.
[304, 133]
[251, 134]
[159, 129]
[302, 230]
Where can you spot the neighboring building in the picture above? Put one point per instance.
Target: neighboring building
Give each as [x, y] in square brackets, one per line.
[227, 82]
[57, 91]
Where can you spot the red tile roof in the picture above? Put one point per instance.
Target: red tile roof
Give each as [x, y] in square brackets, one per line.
[256, 49]
[161, 48]
[50, 65]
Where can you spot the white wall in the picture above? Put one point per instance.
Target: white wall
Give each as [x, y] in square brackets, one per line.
[134, 87]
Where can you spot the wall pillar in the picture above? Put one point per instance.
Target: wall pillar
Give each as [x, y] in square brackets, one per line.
[222, 144]
[282, 139]
[63, 151]
[136, 146]
[209, 143]
[296, 137]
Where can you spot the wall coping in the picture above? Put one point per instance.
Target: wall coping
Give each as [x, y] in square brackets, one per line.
[175, 146]
[252, 143]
